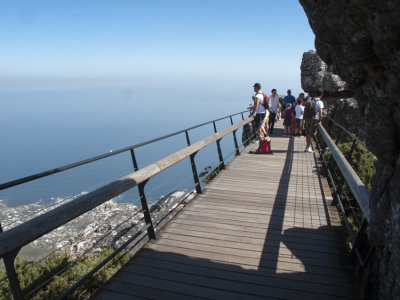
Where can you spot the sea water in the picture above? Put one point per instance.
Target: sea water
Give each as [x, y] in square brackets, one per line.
[46, 129]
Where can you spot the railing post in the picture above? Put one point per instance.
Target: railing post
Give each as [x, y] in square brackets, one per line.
[146, 211]
[221, 158]
[193, 164]
[234, 138]
[135, 165]
[353, 146]
[12, 274]
[242, 116]
[337, 137]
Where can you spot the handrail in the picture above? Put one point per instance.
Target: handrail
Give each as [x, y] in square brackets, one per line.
[348, 132]
[95, 158]
[19, 236]
[355, 184]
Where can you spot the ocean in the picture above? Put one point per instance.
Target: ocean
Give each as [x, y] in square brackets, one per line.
[45, 129]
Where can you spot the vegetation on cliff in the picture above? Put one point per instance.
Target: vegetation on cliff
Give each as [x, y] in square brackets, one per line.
[66, 272]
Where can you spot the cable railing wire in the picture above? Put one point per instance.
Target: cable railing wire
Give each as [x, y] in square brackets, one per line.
[102, 156]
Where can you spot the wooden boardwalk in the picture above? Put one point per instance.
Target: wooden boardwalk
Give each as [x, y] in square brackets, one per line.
[262, 229]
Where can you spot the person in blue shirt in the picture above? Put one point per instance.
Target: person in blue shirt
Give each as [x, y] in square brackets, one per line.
[289, 99]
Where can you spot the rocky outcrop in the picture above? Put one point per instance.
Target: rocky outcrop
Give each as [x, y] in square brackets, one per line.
[361, 39]
[317, 74]
[338, 98]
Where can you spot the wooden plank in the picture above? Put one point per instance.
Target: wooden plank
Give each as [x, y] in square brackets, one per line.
[320, 233]
[234, 274]
[171, 284]
[239, 288]
[232, 221]
[123, 289]
[298, 242]
[282, 265]
[288, 218]
[303, 237]
[318, 257]
[241, 268]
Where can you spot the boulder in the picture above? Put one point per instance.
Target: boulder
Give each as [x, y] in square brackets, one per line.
[338, 101]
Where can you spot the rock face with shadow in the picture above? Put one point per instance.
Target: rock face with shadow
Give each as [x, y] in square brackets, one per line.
[338, 98]
[361, 40]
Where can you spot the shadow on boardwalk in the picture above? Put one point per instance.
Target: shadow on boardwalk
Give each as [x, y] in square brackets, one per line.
[235, 260]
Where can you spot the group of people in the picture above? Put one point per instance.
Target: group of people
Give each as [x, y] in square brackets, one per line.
[269, 109]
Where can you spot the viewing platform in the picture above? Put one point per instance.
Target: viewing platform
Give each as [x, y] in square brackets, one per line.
[263, 228]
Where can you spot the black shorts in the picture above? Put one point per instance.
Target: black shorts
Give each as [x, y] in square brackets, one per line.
[258, 120]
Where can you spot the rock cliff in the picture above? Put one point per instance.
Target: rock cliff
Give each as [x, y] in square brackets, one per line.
[361, 40]
[338, 98]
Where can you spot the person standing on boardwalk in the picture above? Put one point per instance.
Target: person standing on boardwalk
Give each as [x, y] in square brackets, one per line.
[287, 119]
[289, 99]
[299, 109]
[259, 110]
[313, 116]
[301, 97]
[274, 110]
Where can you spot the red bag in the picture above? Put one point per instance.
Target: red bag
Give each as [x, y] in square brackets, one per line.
[264, 146]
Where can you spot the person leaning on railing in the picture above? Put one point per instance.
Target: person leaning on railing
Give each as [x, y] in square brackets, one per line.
[312, 119]
[259, 110]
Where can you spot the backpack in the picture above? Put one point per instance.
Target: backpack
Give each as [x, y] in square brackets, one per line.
[264, 146]
[309, 110]
[266, 100]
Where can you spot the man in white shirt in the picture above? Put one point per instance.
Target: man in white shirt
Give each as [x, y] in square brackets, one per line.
[259, 109]
[273, 110]
[311, 124]
[299, 109]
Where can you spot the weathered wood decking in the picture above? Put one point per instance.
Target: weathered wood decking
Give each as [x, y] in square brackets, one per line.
[262, 229]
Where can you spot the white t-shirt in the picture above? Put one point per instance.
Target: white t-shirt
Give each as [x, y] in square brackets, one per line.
[274, 103]
[260, 98]
[299, 111]
[318, 105]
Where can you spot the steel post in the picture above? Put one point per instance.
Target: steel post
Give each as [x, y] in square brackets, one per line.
[146, 211]
[194, 168]
[353, 146]
[221, 158]
[12, 274]
[234, 138]
[135, 165]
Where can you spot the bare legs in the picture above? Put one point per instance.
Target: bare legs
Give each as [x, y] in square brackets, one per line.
[308, 142]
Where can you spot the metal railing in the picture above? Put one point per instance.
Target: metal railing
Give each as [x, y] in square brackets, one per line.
[12, 240]
[350, 195]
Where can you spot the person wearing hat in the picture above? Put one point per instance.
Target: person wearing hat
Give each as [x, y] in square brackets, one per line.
[289, 99]
[259, 110]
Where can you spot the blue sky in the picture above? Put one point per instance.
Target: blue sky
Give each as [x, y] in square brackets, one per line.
[90, 43]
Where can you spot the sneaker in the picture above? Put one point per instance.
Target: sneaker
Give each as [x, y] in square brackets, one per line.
[309, 151]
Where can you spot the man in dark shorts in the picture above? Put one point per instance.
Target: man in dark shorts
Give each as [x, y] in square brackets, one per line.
[274, 110]
[312, 123]
[259, 109]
